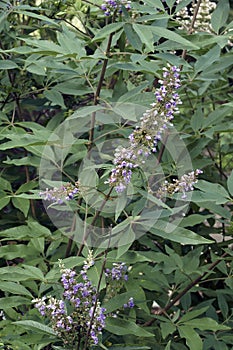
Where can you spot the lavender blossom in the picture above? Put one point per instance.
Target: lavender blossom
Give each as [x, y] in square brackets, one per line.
[110, 6]
[118, 272]
[61, 194]
[86, 315]
[144, 139]
[184, 185]
[130, 304]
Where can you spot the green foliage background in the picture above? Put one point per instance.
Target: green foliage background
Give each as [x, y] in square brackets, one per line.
[51, 59]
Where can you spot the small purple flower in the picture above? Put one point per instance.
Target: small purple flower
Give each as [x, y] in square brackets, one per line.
[118, 272]
[110, 6]
[59, 195]
[80, 308]
[144, 139]
[184, 185]
[130, 304]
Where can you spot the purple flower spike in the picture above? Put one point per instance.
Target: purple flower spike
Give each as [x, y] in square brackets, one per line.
[144, 139]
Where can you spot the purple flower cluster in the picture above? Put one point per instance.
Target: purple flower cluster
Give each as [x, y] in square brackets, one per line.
[144, 139]
[61, 194]
[130, 304]
[110, 6]
[118, 272]
[125, 161]
[184, 185]
[87, 316]
[156, 120]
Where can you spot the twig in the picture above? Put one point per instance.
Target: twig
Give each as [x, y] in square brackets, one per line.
[185, 290]
[94, 220]
[97, 93]
[184, 52]
[97, 293]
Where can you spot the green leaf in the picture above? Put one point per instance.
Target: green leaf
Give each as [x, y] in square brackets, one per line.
[193, 340]
[22, 204]
[123, 327]
[30, 160]
[165, 33]
[210, 187]
[9, 302]
[167, 328]
[146, 36]
[4, 200]
[230, 183]
[15, 288]
[194, 219]
[36, 326]
[55, 97]
[33, 272]
[193, 314]
[118, 301]
[5, 184]
[27, 187]
[168, 346]
[66, 39]
[133, 37]
[120, 205]
[220, 15]
[206, 323]
[13, 251]
[35, 15]
[122, 249]
[207, 59]
[94, 274]
[36, 68]
[8, 64]
[223, 305]
[106, 30]
[178, 234]
[38, 230]
[38, 243]
[133, 347]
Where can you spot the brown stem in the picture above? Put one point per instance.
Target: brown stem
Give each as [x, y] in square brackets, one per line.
[185, 290]
[183, 55]
[69, 244]
[97, 93]
[96, 300]
[218, 167]
[91, 3]
[94, 220]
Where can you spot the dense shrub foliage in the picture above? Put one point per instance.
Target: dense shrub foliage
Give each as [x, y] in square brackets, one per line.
[116, 179]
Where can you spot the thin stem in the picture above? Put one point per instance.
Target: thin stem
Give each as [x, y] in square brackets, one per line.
[97, 93]
[69, 244]
[184, 52]
[185, 290]
[91, 3]
[216, 164]
[94, 220]
[97, 293]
